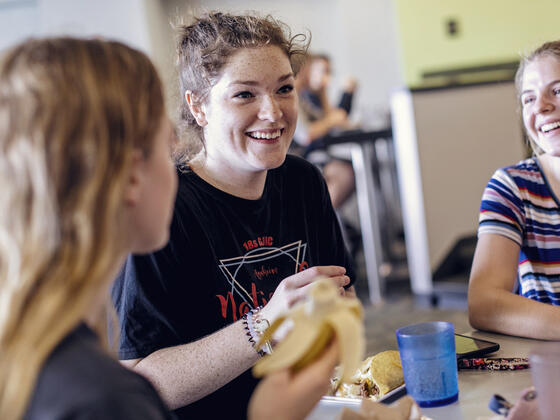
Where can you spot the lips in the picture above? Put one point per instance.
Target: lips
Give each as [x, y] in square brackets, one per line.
[270, 134]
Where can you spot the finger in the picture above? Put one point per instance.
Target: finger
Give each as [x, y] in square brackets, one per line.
[298, 294]
[326, 270]
[307, 276]
[341, 281]
[350, 292]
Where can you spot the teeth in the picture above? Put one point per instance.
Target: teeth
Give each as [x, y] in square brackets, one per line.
[547, 127]
[265, 135]
[324, 314]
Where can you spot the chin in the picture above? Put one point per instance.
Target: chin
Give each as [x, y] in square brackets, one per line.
[151, 244]
[273, 163]
[163, 242]
[272, 160]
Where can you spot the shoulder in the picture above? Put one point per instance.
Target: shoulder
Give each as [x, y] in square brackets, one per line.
[525, 169]
[79, 377]
[520, 175]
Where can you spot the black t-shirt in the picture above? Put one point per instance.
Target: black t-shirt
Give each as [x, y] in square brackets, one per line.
[80, 381]
[225, 256]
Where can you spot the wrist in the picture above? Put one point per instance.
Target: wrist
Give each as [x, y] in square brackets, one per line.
[255, 325]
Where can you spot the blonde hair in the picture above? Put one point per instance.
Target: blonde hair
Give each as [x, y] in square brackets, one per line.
[71, 113]
[548, 49]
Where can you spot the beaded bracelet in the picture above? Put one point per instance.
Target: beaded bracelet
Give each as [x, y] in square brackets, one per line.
[255, 325]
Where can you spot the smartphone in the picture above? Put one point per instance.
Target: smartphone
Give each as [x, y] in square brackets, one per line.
[468, 347]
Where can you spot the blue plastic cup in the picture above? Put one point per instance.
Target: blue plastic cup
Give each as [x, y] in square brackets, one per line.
[429, 362]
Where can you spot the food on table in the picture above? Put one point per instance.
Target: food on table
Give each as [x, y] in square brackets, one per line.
[315, 321]
[376, 376]
[404, 409]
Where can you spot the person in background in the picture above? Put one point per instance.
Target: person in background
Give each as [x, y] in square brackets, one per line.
[318, 118]
[515, 280]
[252, 227]
[86, 178]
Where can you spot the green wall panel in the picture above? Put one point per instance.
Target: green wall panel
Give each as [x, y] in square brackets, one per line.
[487, 32]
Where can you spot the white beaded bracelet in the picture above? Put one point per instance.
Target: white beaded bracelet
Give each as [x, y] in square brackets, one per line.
[256, 325]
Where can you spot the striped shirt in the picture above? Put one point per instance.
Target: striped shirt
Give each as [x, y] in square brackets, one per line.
[519, 204]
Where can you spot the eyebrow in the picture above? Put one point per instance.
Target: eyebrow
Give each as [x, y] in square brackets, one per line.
[254, 83]
[548, 84]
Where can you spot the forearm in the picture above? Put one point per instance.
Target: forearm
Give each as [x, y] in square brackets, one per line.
[185, 373]
[502, 311]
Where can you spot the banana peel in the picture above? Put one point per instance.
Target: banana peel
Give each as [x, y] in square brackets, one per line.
[316, 320]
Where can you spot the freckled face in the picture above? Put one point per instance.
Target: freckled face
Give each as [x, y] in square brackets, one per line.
[251, 112]
[540, 99]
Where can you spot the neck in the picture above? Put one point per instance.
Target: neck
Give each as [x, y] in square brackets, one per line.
[244, 184]
[97, 312]
[551, 164]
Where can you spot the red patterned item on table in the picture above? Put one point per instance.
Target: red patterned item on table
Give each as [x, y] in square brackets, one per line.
[494, 363]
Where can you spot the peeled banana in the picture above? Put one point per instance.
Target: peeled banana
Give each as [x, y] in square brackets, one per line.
[315, 320]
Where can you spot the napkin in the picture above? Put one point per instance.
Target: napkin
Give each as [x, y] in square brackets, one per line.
[404, 409]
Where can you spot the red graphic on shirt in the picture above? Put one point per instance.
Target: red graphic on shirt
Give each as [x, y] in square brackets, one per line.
[259, 242]
[228, 302]
[262, 265]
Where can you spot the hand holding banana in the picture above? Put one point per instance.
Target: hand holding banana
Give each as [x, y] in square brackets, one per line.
[323, 314]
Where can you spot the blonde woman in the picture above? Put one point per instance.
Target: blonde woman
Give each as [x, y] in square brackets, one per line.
[515, 279]
[85, 179]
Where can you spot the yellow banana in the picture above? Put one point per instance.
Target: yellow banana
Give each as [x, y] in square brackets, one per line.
[315, 320]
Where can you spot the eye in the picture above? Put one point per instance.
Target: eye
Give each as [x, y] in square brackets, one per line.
[525, 100]
[286, 89]
[556, 91]
[243, 95]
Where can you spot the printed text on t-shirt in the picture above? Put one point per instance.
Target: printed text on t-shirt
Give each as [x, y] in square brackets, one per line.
[260, 241]
[228, 301]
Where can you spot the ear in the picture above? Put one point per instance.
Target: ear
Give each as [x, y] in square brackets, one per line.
[134, 183]
[196, 108]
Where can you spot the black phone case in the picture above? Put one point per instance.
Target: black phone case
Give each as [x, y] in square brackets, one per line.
[489, 347]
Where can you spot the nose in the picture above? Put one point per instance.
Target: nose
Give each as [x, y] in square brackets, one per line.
[270, 109]
[543, 103]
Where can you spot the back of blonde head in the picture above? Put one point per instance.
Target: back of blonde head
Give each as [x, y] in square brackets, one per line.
[71, 113]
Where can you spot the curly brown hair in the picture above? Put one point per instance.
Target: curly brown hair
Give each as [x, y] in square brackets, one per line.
[204, 47]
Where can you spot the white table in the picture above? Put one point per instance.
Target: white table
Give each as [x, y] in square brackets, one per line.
[476, 387]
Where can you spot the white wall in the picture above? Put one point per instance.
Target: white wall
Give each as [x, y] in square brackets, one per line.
[142, 24]
[123, 20]
[359, 35]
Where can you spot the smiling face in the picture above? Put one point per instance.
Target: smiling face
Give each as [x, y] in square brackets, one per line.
[540, 99]
[249, 115]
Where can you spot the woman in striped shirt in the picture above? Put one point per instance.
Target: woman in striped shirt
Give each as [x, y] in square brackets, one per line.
[515, 279]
